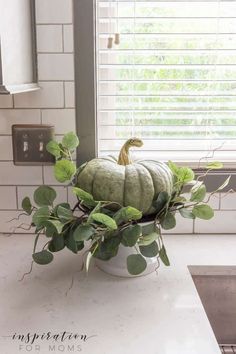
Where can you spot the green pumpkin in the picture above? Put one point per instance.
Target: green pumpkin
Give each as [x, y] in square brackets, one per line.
[135, 184]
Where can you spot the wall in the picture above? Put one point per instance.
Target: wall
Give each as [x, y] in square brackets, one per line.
[54, 104]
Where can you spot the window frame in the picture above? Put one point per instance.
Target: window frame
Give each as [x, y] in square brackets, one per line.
[86, 92]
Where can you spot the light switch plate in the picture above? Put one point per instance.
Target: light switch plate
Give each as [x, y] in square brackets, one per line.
[29, 144]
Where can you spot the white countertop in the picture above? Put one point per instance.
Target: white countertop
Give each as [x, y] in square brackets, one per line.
[155, 314]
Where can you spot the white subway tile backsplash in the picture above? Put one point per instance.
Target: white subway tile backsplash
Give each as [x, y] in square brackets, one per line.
[8, 197]
[68, 38]
[29, 192]
[8, 117]
[51, 95]
[62, 119]
[56, 66]
[70, 94]
[54, 11]
[223, 222]
[49, 38]
[228, 201]
[6, 101]
[5, 148]
[20, 175]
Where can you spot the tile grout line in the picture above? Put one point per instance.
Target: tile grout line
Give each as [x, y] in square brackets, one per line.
[17, 201]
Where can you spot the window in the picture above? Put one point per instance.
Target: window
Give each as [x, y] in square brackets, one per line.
[170, 81]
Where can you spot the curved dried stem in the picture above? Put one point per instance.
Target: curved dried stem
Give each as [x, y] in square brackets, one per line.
[27, 273]
[17, 218]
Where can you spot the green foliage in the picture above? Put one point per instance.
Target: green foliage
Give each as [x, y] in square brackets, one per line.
[26, 205]
[168, 221]
[130, 235]
[44, 196]
[65, 215]
[43, 257]
[214, 165]
[224, 184]
[54, 148]
[136, 264]
[83, 232]
[127, 214]
[186, 213]
[105, 220]
[70, 141]
[198, 194]
[163, 256]
[104, 225]
[150, 250]
[57, 243]
[85, 197]
[203, 211]
[64, 170]
[108, 248]
[40, 216]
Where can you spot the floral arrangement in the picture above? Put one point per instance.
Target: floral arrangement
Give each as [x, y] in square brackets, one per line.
[99, 226]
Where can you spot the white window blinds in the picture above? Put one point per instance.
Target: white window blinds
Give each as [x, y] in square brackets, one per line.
[170, 81]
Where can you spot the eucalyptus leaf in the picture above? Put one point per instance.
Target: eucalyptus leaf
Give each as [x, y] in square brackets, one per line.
[108, 248]
[53, 227]
[136, 264]
[148, 228]
[64, 214]
[83, 232]
[173, 167]
[88, 261]
[57, 244]
[64, 170]
[163, 256]
[53, 148]
[43, 257]
[203, 211]
[146, 240]
[168, 222]
[41, 215]
[150, 250]
[44, 196]
[130, 235]
[186, 213]
[70, 141]
[185, 174]
[84, 196]
[94, 211]
[71, 244]
[26, 205]
[223, 185]
[126, 214]
[214, 165]
[63, 205]
[198, 194]
[105, 220]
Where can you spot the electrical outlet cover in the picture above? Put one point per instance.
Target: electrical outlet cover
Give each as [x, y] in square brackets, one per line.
[29, 144]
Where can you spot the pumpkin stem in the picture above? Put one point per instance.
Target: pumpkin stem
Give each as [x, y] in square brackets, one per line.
[124, 158]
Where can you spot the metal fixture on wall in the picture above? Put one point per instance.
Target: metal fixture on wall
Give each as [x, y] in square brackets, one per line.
[29, 144]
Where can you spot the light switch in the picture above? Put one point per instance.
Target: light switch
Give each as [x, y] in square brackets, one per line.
[29, 144]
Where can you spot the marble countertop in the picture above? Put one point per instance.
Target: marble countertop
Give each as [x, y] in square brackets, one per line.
[156, 314]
